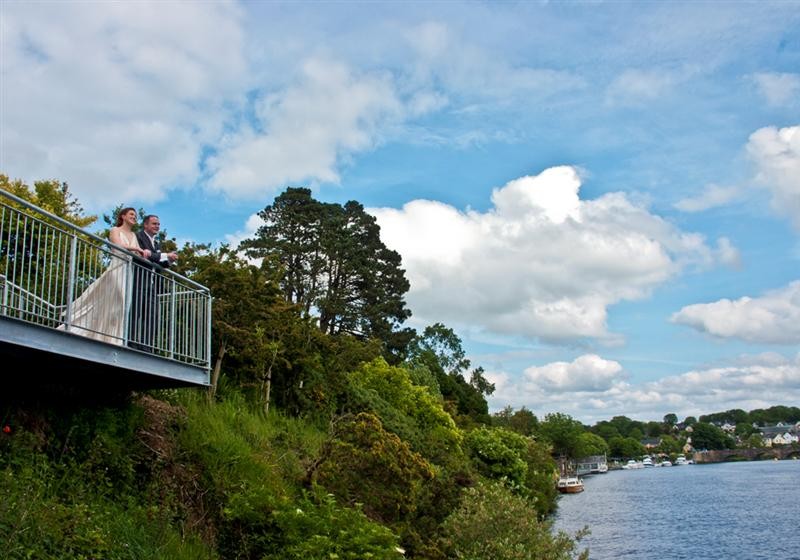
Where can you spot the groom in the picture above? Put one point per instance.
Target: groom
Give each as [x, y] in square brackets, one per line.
[148, 285]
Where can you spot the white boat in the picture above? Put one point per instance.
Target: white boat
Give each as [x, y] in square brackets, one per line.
[633, 465]
[647, 461]
[570, 485]
[680, 461]
[665, 463]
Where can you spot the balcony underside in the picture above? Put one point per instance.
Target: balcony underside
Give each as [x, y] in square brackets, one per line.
[33, 356]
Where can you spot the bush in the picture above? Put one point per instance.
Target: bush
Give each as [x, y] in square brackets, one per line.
[493, 523]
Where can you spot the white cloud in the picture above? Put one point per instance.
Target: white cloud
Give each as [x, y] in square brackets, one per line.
[304, 131]
[541, 263]
[712, 196]
[589, 372]
[118, 99]
[773, 318]
[778, 88]
[755, 382]
[251, 226]
[776, 153]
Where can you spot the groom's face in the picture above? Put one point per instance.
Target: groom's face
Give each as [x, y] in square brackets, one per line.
[152, 226]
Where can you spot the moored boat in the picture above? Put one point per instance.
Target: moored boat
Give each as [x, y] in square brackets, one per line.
[570, 485]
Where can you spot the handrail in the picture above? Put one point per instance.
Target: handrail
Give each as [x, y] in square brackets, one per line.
[58, 276]
[72, 227]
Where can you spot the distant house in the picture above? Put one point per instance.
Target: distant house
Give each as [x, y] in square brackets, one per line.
[651, 443]
[728, 428]
[779, 434]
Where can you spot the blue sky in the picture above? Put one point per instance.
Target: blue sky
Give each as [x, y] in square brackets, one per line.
[601, 198]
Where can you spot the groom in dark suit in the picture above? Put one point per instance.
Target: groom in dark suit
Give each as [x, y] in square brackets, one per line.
[148, 284]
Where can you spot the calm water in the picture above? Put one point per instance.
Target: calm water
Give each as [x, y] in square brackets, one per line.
[724, 511]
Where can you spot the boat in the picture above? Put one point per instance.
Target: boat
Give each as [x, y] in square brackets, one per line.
[647, 461]
[665, 463]
[570, 485]
[680, 461]
[631, 464]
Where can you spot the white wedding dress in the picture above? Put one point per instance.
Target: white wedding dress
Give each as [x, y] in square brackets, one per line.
[99, 312]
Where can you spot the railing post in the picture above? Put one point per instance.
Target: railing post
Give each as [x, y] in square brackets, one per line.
[129, 279]
[73, 258]
[172, 314]
[208, 331]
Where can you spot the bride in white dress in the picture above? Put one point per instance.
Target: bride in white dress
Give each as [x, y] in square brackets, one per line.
[99, 312]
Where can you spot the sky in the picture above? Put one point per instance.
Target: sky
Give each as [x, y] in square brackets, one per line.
[602, 199]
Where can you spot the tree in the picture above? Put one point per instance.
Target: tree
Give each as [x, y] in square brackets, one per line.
[332, 261]
[590, 444]
[670, 420]
[52, 196]
[522, 421]
[562, 431]
[708, 436]
[439, 350]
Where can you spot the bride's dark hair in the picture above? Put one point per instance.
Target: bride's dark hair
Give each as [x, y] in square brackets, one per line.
[121, 213]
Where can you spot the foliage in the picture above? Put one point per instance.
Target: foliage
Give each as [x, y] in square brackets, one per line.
[52, 196]
[708, 436]
[439, 351]
[589, 444]
[315, 527]
[331, 260]
[492, 522]
[627, 447]
[363, 463]
[499, 454]
[522, 421]
[410, 411]
[71, 489]
[520, 462]
[563, 432]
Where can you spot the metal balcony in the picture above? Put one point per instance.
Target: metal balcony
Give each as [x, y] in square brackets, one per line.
[75, 307]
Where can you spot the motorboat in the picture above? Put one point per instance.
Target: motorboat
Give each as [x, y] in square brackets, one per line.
[665, 463]
[632, 465]
[570, 485]
[680, 461]
[647, 461]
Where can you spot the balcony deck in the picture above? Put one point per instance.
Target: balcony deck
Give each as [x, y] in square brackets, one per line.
[49, 336]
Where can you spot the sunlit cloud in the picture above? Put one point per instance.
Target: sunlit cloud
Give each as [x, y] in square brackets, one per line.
[541, 263]
[776, 154]
[773, 318]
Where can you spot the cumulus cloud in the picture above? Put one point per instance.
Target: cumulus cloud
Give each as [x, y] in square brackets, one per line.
[540, 263]
[712, 196]
[118, 99]
[776, 153]
[754, 382]
[778, 88]
[302, 132]
[773, 318]
[589, 372]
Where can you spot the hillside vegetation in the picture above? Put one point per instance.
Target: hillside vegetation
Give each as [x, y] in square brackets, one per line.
[331, 431]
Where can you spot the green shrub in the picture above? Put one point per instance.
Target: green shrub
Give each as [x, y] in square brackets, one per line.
[494, 523]
[318, 528]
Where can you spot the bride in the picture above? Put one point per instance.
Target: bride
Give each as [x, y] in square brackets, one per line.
[99, 312]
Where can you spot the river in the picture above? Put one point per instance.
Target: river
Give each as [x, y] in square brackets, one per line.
[722, 511]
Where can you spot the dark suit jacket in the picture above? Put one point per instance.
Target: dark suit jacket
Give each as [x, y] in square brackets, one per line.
[155, 252]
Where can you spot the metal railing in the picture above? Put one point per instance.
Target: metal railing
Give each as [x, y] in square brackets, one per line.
[56, 275]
